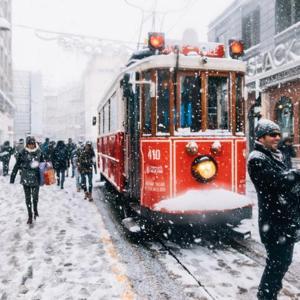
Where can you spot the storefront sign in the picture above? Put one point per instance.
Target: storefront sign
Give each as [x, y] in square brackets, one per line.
[282, 54]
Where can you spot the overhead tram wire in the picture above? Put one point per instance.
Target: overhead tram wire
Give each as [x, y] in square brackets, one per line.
[152, 12]
[68, 34]
[186, 9]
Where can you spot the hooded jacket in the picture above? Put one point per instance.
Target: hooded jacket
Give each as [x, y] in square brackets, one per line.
[278, 195]
[28, 162]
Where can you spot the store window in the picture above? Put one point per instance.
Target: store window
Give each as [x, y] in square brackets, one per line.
[285, 116]
[287, 13]
[251, 28]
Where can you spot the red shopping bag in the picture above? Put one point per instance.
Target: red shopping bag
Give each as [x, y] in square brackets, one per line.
[49, 176]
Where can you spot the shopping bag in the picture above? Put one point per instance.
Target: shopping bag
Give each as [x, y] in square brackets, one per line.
[42, 168]
[49, 176]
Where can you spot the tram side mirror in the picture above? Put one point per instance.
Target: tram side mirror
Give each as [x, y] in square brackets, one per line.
[94, 121]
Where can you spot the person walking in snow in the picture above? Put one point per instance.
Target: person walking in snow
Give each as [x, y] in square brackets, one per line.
[6, 152]
[70, 147]
[19, 147]
[28, 162]
[86, 163]
[74, 159]
[60, 162]
[278, 192]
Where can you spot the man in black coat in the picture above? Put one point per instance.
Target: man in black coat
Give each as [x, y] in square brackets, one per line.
[278, 195]
[60, 162]
[28, 162]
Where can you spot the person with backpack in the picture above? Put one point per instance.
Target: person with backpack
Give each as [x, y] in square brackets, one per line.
[60, 162]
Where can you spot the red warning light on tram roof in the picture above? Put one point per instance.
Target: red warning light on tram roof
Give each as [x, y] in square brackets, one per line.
[156, 40]
[236, 48]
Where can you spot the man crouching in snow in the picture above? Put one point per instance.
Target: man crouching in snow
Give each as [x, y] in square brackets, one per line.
[278, 202]
[28, 161]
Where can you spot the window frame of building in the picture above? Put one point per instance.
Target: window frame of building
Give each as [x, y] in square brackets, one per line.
[251, 28]
[287, 13]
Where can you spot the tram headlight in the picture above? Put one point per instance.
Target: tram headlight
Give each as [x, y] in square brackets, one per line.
[204, 168]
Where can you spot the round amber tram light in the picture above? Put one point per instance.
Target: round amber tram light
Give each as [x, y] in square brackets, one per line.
[204, 168]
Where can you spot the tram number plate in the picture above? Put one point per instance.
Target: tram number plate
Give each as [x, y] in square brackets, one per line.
[154, 154]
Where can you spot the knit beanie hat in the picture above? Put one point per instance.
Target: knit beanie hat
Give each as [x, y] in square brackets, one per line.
[30, 140]
[265, 127]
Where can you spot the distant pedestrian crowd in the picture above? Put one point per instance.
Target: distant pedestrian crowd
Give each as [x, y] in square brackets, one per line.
[67, 159]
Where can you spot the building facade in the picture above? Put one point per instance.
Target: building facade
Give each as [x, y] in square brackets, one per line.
[99, 74]
[270, 30]
[28, 99]
[63, 115]
[6, 100]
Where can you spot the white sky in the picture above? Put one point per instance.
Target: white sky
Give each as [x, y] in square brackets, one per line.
[113, 19]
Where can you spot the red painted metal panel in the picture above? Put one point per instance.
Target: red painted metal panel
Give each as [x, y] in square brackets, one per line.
[111, 158]
[183, 179]
[156, 171]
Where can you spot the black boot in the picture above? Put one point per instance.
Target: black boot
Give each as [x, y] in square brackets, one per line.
[29, 220]
[36, 214]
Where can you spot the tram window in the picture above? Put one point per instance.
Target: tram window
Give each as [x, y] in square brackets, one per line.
[106, 118]
[239, 105]
[190, 110]
[163, 101]
[217, 102]
[109, 117]
[103, 120]
[113, 112]
[99, 123]
[148, 105]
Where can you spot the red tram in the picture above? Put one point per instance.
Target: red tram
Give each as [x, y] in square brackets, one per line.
[172, 134]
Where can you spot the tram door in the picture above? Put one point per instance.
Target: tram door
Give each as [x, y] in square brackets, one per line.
[132, 136]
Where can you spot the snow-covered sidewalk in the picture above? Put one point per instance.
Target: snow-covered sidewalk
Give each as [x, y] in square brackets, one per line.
[68, 254]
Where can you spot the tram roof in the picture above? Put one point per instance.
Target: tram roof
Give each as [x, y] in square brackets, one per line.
[185, 63]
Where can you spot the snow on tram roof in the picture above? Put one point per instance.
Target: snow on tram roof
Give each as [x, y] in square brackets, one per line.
[188, 62]
[193, 62]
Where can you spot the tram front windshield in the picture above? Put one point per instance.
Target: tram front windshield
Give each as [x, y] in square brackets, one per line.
[188, 116]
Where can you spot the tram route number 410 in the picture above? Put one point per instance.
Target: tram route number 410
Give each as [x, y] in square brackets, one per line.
[154, 154]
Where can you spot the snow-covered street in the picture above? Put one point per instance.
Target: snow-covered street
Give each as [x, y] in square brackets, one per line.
[68, 254]
[72, 253]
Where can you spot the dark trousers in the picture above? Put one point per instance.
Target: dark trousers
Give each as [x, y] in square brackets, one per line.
[31, 192]
[90, 180]
[60, 174]
[279, 258]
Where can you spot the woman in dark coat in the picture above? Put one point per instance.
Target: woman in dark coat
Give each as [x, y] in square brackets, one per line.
[278, 195]
[28, 162]
[60, 162]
